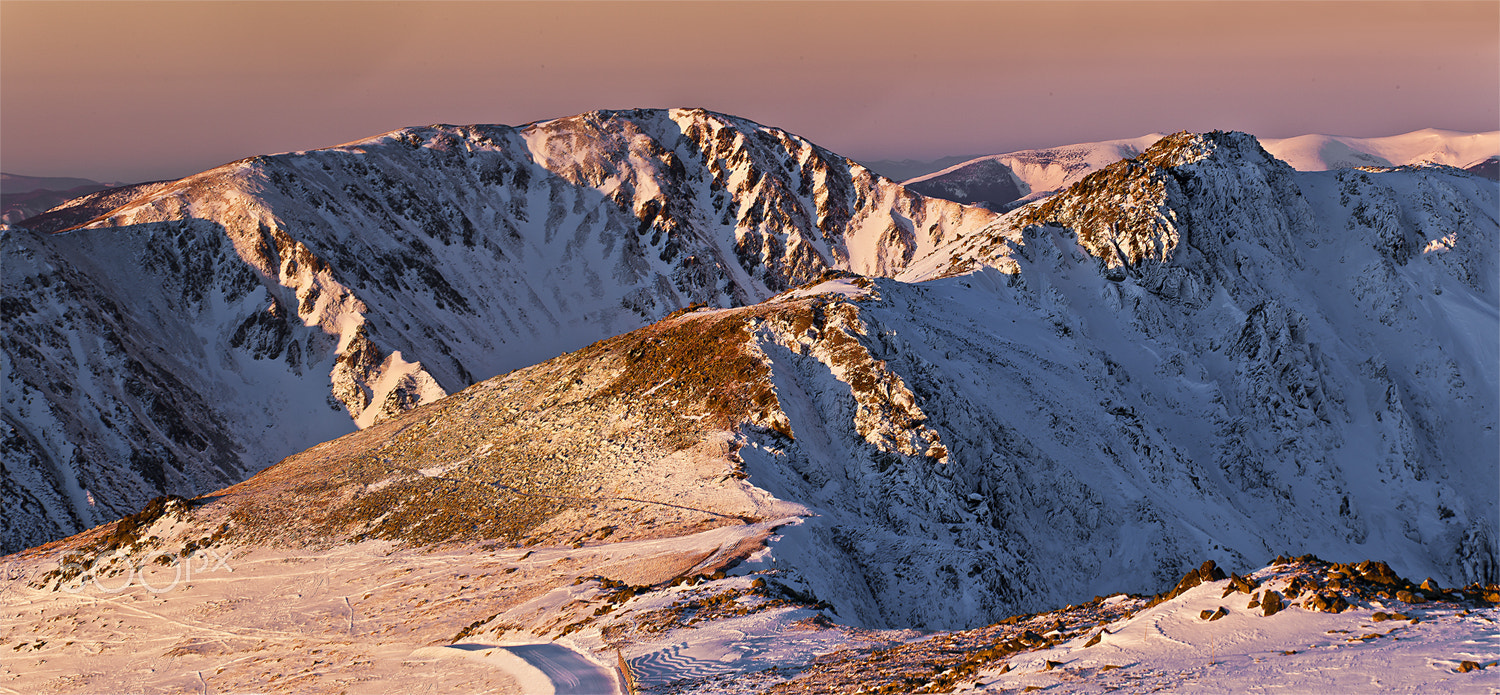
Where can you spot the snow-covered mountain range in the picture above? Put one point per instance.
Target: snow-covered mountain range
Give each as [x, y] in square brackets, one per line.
[1003, 181]
[903, 413]
[1198, 352]
[184, 338]
[1428, 146]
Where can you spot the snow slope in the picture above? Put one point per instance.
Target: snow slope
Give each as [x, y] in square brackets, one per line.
[656, 616]
[213, 325]
[1376, 644]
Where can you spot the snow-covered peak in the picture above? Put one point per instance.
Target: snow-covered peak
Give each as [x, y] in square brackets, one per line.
[1127, 211]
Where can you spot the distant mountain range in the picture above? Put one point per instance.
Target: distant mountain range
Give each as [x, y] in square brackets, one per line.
[1002, 181]
[995, 181]
[27, 196]
[998, 180]
[904, 169]
[1429, 146]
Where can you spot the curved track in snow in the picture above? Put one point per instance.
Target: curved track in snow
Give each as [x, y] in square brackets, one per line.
[567, 669]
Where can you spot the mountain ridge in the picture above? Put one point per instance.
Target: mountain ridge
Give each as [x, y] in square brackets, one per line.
[403, 266]
[1197, 352]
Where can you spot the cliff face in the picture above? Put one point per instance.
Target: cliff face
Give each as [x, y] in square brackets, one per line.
[210, 326]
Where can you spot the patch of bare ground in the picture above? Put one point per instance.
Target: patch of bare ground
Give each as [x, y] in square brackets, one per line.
[940, 662]
[551, 454]
[947, 660]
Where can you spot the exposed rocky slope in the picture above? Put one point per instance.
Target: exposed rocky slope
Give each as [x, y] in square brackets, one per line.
[207, 327]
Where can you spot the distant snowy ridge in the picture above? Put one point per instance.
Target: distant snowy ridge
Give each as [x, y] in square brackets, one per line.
[995, 180]
[1427, 146]
[25, 196]
[215, 324]
[998, 180]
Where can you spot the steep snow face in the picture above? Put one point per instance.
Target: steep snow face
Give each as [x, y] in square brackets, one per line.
[756, 200]
[1427, 146]
[1258, 361]
[293, 297]
[1000, 179]
[93, 402]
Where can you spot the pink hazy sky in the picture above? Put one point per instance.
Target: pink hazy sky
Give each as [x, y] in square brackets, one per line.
[127, 91]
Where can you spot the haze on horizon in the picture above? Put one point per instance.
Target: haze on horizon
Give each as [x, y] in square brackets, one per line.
[140, 91]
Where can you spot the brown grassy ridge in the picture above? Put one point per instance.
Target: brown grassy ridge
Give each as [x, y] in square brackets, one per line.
[507, 455]
[559, 429]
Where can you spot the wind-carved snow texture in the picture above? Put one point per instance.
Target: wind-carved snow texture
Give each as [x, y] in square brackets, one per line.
[214, 325]
[1198, 354]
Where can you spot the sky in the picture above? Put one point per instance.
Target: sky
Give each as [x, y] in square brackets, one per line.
[134, 91]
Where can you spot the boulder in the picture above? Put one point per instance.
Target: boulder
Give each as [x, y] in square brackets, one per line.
[1270, 604]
